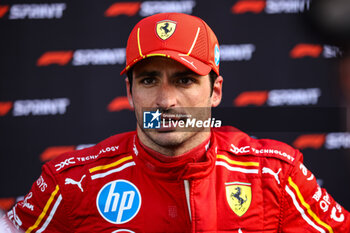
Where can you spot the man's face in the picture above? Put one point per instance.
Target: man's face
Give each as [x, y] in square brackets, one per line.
[165, 84]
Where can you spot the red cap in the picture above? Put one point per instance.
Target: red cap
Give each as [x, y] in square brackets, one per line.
[184, 38]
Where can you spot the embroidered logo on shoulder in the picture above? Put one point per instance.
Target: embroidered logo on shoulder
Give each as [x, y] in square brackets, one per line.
[25, 202]
[256, 151]
[340, 217]
[240, 150]
[239, 197]
[42, 185]
[275, 152]
[79, 158]
[78, 183]
[105, 150]
[274, 174]
[64, 163]
[14, 217]
[165, 29]
[305, 172]
[118, 201]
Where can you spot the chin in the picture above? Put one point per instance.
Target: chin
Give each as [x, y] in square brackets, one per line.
[169, 138]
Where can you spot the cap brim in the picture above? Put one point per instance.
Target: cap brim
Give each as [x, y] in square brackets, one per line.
[193, 64]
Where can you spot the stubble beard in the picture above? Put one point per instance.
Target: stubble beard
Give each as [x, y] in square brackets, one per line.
[165, 141]
[169, 140]
[179, 139]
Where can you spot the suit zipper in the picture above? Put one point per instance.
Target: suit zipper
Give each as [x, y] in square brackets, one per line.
[187, 192]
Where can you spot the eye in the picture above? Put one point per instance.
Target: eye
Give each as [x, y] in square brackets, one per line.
[148, 81]
[186, 81]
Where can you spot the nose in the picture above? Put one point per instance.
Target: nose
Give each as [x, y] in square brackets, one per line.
[166, 96]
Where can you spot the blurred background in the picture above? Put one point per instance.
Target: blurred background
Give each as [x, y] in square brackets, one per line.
[285, 63]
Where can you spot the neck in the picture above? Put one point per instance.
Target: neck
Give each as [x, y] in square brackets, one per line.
[192, 140]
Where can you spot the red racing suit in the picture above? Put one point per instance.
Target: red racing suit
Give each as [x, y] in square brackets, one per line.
[240, 184]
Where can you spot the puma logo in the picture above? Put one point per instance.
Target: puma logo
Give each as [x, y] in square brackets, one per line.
[269, 171]
[191, 63]
[71, 181]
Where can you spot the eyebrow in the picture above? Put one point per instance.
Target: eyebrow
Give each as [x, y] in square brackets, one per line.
[157, 73]
[184, 73]
[147, 74]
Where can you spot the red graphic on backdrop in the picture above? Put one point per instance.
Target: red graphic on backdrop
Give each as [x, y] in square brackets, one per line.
[5, 107]
[246, 98]
[123, 8]
[55, 57]
[7, 203]
[315, 141]
[3, 10]
[306, 50]
[118, 104]
[244, 6]
[54, 151]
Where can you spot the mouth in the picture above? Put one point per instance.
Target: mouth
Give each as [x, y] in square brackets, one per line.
[171, 124]
[172, 118]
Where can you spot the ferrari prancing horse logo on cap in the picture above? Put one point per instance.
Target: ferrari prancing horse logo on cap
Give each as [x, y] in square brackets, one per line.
[165, 29]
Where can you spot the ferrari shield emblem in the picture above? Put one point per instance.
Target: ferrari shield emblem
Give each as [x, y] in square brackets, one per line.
[239, 197]
[165, 29]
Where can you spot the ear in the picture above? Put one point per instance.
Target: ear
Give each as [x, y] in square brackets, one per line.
[131, 102]
[217, 92]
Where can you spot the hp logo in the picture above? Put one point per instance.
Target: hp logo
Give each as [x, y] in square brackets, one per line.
[118, 201]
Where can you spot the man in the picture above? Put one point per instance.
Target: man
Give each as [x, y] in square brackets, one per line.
[173, 178]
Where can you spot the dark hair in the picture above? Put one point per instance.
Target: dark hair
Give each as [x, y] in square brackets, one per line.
[212, 77]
